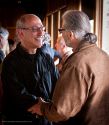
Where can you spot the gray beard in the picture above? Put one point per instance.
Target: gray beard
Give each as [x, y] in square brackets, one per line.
[68, 43]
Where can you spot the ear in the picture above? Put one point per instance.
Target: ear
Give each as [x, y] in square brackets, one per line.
[19, 32]
[72, 35]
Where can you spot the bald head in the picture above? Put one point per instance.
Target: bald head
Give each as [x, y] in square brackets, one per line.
[30, 31]
[25, 19]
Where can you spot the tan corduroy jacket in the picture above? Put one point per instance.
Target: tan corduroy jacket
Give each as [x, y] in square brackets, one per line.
[82, 91]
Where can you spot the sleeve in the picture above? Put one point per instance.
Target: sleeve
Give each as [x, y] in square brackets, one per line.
[54, 73]
[56, 54]
[69, 96]
[14, 89]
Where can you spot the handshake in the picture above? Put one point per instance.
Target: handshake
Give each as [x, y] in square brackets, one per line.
[36, 109]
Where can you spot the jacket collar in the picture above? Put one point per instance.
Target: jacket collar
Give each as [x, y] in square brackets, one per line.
[84, 45]
[22, 51]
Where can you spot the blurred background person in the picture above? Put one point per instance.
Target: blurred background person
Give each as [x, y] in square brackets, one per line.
[11, 44]
[63, 50]
[46, 48]
[4, 46]
[4, 34]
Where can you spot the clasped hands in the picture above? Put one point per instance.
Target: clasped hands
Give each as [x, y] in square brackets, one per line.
[36, 109]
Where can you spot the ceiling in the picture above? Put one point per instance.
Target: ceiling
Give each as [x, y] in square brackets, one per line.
[13, 3]
[38, 7]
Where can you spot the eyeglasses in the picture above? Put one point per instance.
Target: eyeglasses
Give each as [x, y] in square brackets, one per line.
[34, 29]
[62, 30]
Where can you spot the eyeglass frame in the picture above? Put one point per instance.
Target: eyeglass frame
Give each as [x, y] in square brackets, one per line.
[34, 28]
[62, 30]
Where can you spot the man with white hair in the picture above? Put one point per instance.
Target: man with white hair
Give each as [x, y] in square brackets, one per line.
[81, 95]
[3, 47]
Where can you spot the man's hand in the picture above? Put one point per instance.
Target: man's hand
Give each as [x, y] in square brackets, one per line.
[36, 108]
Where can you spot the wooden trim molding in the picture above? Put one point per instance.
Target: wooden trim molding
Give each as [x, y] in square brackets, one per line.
[98, 22]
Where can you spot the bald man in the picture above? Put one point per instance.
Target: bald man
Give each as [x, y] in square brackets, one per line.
[27, 74]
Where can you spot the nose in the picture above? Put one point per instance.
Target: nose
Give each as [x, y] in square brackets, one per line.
[41, 33]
